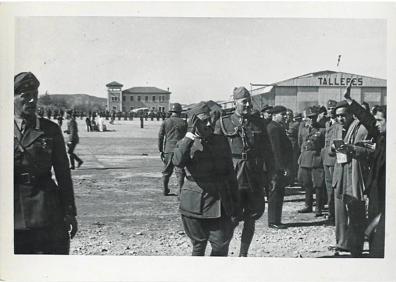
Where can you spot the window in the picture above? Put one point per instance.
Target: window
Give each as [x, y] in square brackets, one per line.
[123, 98]
[131, 98]
[146, 98]
[114, 99]
[153, 98]
[139, 98]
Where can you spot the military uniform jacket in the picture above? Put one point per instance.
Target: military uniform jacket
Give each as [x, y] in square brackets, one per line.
[172, 130]
[312, 142]
[250, 148]
[211, 185]
[38, 201]
[292, 133]
[72, 130]
[281, 147]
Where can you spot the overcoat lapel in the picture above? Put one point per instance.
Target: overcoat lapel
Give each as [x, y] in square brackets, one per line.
[31, 134]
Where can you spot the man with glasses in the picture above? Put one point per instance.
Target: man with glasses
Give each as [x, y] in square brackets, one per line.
[348, 182]
[44, 211]
[209, 199]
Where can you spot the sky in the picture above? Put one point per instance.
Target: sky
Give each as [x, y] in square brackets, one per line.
[197, 58]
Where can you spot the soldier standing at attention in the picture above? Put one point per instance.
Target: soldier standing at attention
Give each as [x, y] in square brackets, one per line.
[44, 212]
[72, 131]
[250, 152]
[172, 130]
[209, 200]
[282, 161]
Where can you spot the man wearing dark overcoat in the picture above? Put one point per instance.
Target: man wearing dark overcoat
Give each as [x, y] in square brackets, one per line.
[376, 182]
[209, 199]
[44, 211]
[73, 139]
[172, 130]
[282, 161]
[251, 153]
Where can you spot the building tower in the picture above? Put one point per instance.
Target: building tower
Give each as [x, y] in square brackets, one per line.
[114, 96]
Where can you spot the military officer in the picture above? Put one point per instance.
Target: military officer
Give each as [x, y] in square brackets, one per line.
[310, 161]
[209, 200]
[251, 153]
[328, 158]
[172, 130]
[44, 212]
[282, 161]
[72, 131]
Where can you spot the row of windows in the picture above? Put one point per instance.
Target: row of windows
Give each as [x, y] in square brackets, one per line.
[139, 98]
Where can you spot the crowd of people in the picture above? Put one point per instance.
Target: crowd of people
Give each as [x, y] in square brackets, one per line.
[232, 162]
[226, 163]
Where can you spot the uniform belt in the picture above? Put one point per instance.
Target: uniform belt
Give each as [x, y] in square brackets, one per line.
[29, 178]
[245, 156]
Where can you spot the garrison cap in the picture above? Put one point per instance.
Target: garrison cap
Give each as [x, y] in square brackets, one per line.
[267, 108]
[25, 81]
[331, 104]
[176, 108]
[240, 92]
[200, 108]
[311, 111]
[278, 109]
[342, 104]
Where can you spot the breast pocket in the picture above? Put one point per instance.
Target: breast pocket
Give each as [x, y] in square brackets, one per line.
[42, 153]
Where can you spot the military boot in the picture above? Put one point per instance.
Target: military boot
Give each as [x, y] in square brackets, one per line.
[165, 181]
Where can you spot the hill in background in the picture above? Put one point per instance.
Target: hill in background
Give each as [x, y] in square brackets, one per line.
[78, 102]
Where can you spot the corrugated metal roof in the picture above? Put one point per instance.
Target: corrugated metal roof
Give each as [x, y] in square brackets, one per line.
[145, 90]
[330, 78]
[114, 83]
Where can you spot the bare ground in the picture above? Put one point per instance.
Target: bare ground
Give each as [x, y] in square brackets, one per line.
[121, 209]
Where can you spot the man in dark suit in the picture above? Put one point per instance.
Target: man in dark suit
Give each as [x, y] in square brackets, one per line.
[209, 200]
[172, 130]
[44, 212]
[283, 160]
[251, 153]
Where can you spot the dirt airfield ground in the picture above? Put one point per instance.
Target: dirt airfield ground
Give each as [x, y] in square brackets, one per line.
[121, 209]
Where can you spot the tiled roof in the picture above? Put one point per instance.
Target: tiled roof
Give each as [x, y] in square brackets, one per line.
[145, 90]
[114, 83]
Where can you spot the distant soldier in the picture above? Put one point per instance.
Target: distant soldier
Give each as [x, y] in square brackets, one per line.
[49, 113]
[125, 115]
[267, 114]
[130, 115]
[209, 200]
[172, 130]
[72, 131]
[141, 120]
[292, 134]
[88, 123]
[158, 115]
[40, 112]
[44, 211]
[60, 120]
[250, 150]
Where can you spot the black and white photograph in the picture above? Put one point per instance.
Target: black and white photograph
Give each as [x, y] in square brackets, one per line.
[158, 132]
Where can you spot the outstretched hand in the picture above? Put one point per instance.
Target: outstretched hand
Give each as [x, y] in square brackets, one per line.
[347, 93]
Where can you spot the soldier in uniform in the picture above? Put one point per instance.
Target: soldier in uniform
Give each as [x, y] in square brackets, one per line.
[329, 158]
[282, 161]
[267, 114]
[172, 130]
[310, 161]
[44, 212]
[209, 200]
[250, 152]
[72, 131]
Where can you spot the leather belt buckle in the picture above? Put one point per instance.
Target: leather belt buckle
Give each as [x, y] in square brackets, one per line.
[244, 156]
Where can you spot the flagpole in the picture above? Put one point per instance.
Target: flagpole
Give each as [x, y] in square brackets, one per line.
[338, 70]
